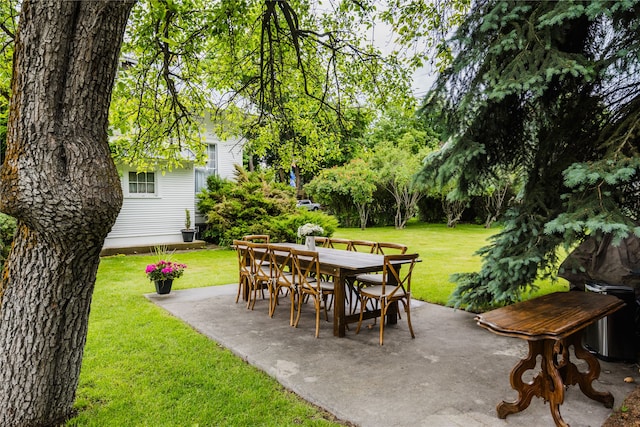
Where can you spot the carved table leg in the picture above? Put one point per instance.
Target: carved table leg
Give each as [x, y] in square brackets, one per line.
[553, 386]
[573, 376]
[526, 391]
[556, 372]
[547, 384]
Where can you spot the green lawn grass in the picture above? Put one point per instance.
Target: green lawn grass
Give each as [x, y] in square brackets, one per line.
[143, 367]
[443, 251]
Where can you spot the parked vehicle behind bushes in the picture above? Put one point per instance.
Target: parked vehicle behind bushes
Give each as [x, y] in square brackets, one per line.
[306, 203]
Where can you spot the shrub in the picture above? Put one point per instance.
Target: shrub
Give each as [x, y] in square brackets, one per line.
[254, 204]
[285, 227]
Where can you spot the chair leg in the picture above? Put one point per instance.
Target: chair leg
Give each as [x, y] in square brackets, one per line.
[292, 297]
[383, 312]
[407, 308]
[300, 300]
[273, 297]
[362, 304]
[330, 301]
[255, 294]
[324, 307]
[240, 288]
[353, 296]
[249, 292]
[318, 308]
[374, 306]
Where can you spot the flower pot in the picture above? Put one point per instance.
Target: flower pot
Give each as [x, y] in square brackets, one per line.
[187, 235]
[163, 286]
[310, 242]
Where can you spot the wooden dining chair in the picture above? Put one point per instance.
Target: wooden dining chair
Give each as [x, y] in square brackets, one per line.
[366, 246]
[283, 278]
[309, 284]
[258, 238]
[244, 267]
[260, 261]
[382, 248]
[338, 243]
[386, 248]
[395, 287]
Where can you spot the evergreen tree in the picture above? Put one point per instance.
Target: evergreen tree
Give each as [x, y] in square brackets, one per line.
[549, 89]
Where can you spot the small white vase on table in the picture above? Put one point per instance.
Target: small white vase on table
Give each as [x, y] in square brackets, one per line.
[309, 231]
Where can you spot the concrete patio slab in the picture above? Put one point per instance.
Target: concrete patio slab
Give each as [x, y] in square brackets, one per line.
[453, 373]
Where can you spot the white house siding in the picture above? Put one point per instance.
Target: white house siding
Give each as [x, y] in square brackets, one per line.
[229, 154]
[154, 220]
[229, 151]
[157, 220]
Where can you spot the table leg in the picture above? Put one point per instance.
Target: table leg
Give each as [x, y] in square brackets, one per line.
[556, 372]
[572, 375]
[547, 384]
[339, 321]
[392, 313]
[526, 391]
[552, 384]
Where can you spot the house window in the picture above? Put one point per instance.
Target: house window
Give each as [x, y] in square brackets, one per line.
[142, 183]
[210, 168]
[212, 158]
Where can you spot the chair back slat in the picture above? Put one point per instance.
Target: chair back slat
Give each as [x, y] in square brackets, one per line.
[260, 260]
[321, 241]
[397, 272]
[307, 269]
[338, 243]
[366, 246]
[259, 238]
[242, 249]
[387, 248]
[282, 263]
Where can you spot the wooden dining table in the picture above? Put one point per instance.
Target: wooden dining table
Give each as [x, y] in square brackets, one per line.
[551, 324]
[343, 266]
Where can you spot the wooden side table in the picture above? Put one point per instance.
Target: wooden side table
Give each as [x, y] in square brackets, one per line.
[551, 324]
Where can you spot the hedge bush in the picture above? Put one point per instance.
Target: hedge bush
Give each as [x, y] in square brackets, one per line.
[255, 204]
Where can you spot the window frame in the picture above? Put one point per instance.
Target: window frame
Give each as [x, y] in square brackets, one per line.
[146, 194]
[203, 172]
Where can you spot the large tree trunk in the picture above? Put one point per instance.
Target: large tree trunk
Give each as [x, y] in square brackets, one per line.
[60, 182]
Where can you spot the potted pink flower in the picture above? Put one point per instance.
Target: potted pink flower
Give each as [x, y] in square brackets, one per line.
[162, 274]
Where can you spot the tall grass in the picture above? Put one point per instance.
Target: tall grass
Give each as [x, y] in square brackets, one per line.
[143, 367]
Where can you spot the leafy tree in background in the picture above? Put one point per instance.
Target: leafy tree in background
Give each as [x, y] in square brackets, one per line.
[290, 79]
[399, 141]
[8, 23]
[342, 188]
[549, 89]
[382, 179]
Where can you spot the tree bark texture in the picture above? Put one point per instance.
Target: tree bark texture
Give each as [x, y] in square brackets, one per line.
[59, 181]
